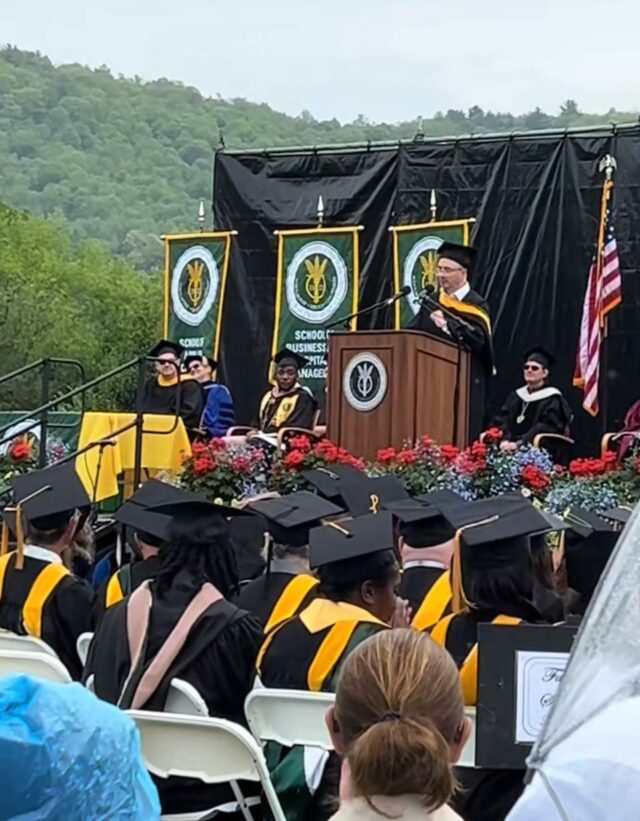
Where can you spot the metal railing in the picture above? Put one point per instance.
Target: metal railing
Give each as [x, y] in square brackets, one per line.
[140, 363]
[46, 367]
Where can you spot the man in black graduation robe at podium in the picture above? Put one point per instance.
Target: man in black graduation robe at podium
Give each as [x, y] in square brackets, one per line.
[460, 315]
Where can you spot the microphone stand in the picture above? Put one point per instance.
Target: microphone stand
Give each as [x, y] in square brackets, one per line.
[345, 320]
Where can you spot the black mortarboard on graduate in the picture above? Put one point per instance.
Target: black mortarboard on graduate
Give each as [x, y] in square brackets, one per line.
[589, 542]
[421, 525]
[541, 356]
[166, 346]
[464, 255]
[136, 513]
[619, 515]
[582, 523]
[491, 535]
[364, 494]
[45, 499]
[290, 518]
[439, 498]
[327, 481]
[351, 539]
[287, 357]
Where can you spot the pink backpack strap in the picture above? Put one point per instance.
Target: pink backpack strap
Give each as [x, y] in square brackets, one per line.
[160, 664]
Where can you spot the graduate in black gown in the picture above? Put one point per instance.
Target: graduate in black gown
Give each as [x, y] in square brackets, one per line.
[287, 585]
[39, 596]
[459, 314]
[536, 407]
[171, 392]
[492, 581]
[288, 403]
[359, 574]
[210, 642]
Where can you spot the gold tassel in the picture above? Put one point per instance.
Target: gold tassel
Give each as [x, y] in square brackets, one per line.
[459, 601]
[337, 527]
[375, 502]
[19, 538]
[4, 538]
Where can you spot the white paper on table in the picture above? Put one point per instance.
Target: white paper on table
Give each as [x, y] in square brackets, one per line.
[538, 676]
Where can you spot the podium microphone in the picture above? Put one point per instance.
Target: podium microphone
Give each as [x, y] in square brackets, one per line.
[403, 292]
[427, 292]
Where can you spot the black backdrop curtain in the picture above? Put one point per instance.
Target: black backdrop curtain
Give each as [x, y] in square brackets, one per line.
[536, 198]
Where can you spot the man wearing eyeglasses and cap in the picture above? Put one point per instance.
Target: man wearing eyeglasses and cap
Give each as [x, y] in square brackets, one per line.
[536, 407]
[173, 393]
[458, 313]
[218, 414]
[39, 596]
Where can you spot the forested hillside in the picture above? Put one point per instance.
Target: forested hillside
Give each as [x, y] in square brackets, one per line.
[75, 302]
[123, 161]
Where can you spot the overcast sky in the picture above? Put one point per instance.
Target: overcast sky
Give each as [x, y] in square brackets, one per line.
[387, 59]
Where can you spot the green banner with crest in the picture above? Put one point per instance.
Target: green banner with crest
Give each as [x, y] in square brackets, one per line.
[196, 267]
[317, 283]
[415, 256]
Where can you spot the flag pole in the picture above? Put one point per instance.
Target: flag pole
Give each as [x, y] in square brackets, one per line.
[607, 165]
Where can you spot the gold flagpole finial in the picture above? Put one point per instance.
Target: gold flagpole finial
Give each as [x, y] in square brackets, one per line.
[320, 211]
[608, 166]
[201, 215]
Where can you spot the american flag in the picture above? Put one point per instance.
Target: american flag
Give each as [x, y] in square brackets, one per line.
[603, 294]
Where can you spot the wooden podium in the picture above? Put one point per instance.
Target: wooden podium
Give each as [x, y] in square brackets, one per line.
[389, 387]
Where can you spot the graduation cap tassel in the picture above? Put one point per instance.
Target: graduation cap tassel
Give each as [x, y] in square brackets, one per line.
[19, 538]
[4, 539]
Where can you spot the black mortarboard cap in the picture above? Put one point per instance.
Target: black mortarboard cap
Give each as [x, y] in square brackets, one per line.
[621, 515]
[291, 517]
[327, 481]
[363, 494]
[351, 538]
[583, 523]
[540, 355]
[492, 534]
[143, 520]
[421, 525]
[440, 497]
[166, 346]
[57, 492]
[464, 255]
[288, 357]
[194, 357]
[154, 493]
[187, 507]
[586, 559]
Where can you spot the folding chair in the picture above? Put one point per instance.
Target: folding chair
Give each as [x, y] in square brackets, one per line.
[213, 750]
[24, 644]
[182, 698]
[82, 646]
[38, 665]
[290, 717]
[468, 757]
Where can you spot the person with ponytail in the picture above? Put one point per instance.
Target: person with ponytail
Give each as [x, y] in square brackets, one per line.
[399, 722]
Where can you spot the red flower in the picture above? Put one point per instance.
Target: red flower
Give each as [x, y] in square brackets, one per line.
[299, 443]
[386, 455]
[198, 448]
[217, 445]
[325, 449]
[478, 450]
[449, 452]
[406, 457]
[534, 478]
[493, 436]
[293, 459]
[241, 463]
[426, 442]
[20, 450]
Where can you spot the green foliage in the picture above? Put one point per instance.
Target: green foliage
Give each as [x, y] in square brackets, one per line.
[124, 161]
[78, 303]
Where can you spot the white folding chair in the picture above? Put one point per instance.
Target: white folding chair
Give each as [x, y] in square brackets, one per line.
[82, 646]
[468, 757]
[25, 644]
[290, 717]
[213, 750]
[38, 665]
[184, 699]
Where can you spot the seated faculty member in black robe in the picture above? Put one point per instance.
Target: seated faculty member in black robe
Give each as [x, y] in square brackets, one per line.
[288, 404]
[287, 586]
[459, 314]
[170, 392]
[181, 624]
[536, 407]
[39, 596]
